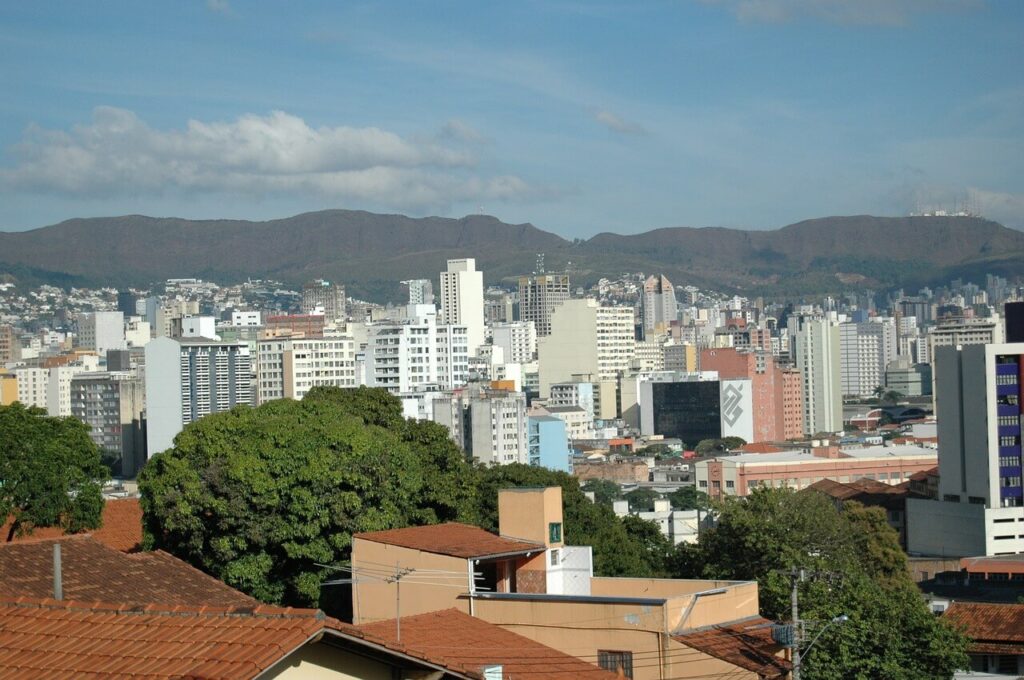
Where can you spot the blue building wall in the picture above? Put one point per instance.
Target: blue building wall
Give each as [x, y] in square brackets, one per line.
[548, 443]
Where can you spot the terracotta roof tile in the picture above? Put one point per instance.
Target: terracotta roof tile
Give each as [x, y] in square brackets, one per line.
[747, 644]
[453, 637]
[451, 538]
[121, 528]
[989, 623]
[93, 571]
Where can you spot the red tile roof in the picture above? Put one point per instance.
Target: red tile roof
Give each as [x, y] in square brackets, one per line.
[760, 447]
[92, 571]
[121, 528]
[989, 624]
[47, 638]
[455, 637]
[451, 538]
[747, 644]
[925, 474]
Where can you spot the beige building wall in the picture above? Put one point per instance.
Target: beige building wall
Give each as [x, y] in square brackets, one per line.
[571, 348]
[317, 661]
[8, 389]
[518, 516]
[375, 600]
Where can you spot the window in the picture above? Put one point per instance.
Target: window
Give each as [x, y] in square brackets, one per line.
[555, 532]
[730, 484]
[703, 483]
[616, 662]
[554, 558]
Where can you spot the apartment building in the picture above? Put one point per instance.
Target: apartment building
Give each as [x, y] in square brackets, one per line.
[585, 339]
[517, 339]
[288, 367]
[112, 404]
[489, 425]
[462, 300]
[865, 349]
[539, 296]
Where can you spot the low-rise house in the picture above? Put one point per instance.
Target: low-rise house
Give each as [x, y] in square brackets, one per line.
[872, 493]
[678, 526]
[525, 579]
[997, 635]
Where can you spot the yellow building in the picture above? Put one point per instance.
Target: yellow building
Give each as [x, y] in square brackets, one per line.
[8, 389]
[526, 580]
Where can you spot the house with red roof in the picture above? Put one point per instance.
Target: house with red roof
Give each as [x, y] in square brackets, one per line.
[528, 581]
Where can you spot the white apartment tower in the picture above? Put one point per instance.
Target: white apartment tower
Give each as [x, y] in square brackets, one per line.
[421, 291]
[865, 349]
[538, 297]
[980, 509]
[462, 299]
[518, 340]
[288, 367]
[189, 378]
[489, 425]
[817, 359]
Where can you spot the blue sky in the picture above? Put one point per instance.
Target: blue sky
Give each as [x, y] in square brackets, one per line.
[577, 116]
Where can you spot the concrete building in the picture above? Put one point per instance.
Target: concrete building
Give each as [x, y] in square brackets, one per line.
[518, 339]
[766, 385]
[909, 379]
[58, 384]
[8, 388]
[288, 367]
[462, 300]
[489, 425]
[408, 357]
[245, 318]
[578, 393]
[198, 327]
[137, 332]
[421, 291]
[528, 579]
[548, 443]
[659, 304]
[865, 349]
[980, 510]
[33, 383]
[954, 332]
[739, 475]
[539, 296]
[100, 331]
[453, 356]
[681, 357]
[649, 355]
[578, 424]
[10, 348]
[585, 339]
[320, 296]
[113, 404]
[191, 378]
[692, 407]
[678, 526]
[817, 358]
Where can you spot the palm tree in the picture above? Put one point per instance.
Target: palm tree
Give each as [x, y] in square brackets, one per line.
[892, 397]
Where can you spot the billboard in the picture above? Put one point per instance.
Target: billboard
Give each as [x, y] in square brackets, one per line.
[736, 401]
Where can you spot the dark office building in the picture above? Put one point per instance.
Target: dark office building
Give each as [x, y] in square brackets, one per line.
[1014, 313]
[690, 411]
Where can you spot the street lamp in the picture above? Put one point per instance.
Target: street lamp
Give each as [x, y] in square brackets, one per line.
[799, 659]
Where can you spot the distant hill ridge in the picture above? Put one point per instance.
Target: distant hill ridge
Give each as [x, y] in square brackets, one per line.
[370, 253]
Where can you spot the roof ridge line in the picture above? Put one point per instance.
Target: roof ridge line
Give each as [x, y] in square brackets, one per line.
[155, 609]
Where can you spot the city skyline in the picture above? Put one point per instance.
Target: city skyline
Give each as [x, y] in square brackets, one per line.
[579, 118]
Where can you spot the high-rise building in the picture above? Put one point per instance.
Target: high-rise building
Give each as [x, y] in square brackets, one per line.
[792, 403]
[766, 386]
[548, 443]
[585, 339]
[817, 358]
[489, 425]
[538, 297]
[412, 356]
[58, 384]
[112, 404]
[421, 291]
[865, 349]
[8, 388]
[659, 304]
[681, 357]
[101, 331]
[980, 509]
[189, 378]
[462, 300]
[518, 340]
[288, 367]
[326, 296]
[695, 406]
[10, 348]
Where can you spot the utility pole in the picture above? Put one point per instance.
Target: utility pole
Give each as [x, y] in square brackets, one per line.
[795, 577]
[399, 574]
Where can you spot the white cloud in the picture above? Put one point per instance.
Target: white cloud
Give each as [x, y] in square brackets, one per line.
[461, 131]
[855, 12]
[117, 154]
[617, 124]
[219, 6]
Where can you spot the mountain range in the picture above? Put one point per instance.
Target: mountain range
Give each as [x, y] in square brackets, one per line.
[371, 253]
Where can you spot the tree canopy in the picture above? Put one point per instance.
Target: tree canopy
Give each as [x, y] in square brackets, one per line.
[689, 498]
[890, 632]
[605, 491]
[50, 472]
[712, 446]
[258, 497]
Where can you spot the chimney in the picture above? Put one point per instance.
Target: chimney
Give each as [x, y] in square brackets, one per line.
[58, 584]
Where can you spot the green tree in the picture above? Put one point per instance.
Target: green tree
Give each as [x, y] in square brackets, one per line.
[656, 549]
[642, 499]
[258, 497]
[605, 491]
[891, 397]
[50, 472]
[714, 446]
[689, 498]
[616, 553]
[890, 633]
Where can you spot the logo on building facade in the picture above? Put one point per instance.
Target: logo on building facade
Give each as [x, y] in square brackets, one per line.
[731, 409]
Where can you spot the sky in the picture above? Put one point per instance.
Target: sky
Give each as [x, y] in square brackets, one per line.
[579, 116]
